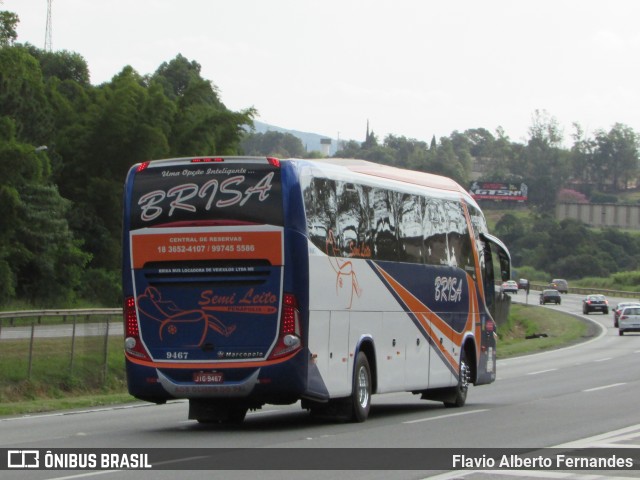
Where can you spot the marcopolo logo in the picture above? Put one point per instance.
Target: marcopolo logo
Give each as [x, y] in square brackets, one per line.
[23, 459]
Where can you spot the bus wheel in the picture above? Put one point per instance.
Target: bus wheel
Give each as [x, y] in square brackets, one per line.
[461, 389]
[361, 392]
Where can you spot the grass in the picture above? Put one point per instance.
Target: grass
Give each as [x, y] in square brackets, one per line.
[559, 330]
[94, 376]
[62, 374]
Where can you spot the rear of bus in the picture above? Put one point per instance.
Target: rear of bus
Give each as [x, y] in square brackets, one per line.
[211, 313]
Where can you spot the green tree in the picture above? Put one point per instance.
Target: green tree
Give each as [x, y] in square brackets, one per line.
[445, 161]
[40, 258]
[543, 163]
[8, 24]
[582, 157]
[47, 260]
[22, 95]
[510, 228]
[370, 140]
[271, 143]
[616, 155]
[124, 122]
[349, 149]
[203, 125]
[63, 65]
[408, 153]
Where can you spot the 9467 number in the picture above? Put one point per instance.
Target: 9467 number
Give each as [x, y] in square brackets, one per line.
[177, 355]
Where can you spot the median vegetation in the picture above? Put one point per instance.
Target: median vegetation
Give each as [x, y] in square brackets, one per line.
[532, 329]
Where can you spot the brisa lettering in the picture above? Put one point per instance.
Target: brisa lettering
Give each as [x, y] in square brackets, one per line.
[447, 289]
[222, 194]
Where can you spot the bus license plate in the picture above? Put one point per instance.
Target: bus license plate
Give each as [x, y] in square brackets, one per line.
[208, 377]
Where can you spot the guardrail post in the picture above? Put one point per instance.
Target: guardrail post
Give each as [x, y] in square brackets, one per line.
[105, 357]
[33, 329]
[73, 346]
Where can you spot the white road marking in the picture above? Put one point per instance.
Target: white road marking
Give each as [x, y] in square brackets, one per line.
[542, 371]
[446, 416]
[604, 387]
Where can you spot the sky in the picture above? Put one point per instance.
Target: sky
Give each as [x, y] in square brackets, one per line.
[412, 68]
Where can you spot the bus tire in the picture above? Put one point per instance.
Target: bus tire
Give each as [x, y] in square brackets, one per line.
[460, 390]
[361, 391]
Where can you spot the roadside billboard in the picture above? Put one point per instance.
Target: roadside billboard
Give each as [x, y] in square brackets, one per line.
[499, 191]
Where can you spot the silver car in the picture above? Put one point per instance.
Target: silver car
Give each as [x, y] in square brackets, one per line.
[618, 308]
[629, 320]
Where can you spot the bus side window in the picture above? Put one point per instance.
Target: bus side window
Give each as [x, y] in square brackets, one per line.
[320, 206]
[412, 245]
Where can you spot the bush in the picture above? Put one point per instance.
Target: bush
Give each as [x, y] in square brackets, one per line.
[599, 197]
[631, 279]
[530, 274]
[7, 283]
[101, 287]
[567, 195]
[579, 266]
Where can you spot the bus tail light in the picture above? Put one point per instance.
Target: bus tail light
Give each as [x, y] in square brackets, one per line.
[289, 337]
[132, 344]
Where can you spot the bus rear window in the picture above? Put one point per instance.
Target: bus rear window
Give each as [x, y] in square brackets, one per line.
[164, 194]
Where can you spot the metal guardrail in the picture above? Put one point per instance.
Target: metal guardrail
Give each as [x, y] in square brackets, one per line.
[78, 312]
[583, 290]
[592, 290]
[28, 331]
[72, 313]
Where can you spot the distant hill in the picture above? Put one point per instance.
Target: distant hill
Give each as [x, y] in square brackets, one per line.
[311, 141]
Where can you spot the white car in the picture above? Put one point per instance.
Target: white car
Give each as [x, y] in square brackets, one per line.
[510, 286]
[629, 320]
[618, 308]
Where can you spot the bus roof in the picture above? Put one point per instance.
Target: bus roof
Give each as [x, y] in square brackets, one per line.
[393, 173]
[362, 167]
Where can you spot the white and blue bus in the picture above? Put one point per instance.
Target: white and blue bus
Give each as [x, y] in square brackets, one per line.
[252, 281]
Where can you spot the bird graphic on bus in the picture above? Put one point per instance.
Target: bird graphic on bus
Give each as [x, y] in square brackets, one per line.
[343, 268]
[174, 320]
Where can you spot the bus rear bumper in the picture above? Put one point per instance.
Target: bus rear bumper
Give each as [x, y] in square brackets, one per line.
[235, 389]
[281, 383]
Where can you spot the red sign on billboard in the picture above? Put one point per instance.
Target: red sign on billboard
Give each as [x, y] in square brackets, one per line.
[511, 192]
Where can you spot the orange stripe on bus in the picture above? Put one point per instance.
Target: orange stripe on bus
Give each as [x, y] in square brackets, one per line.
[165, 247]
